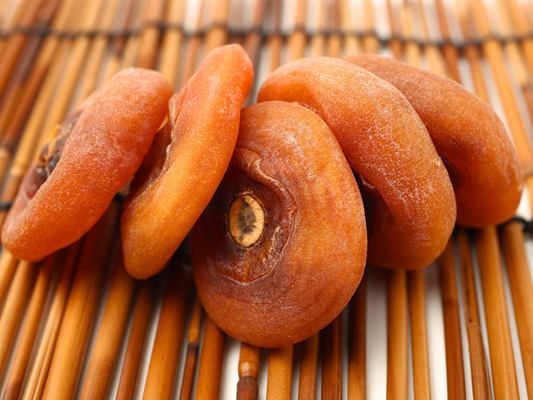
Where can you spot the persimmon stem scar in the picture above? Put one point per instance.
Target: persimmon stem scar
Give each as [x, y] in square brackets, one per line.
[246, 220]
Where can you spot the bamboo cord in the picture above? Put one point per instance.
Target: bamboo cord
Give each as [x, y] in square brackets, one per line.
[279, 384]
[211, 359]
[80, 310]
[172, 41]
[397, 335]
[132, 359]
[35, 385]
[31, 324]
[452, 328]
[8, 266]
[478, 362]
[110, 335]
[370, 40]
[13, 311]
[247, 387]
[512, 239]
[501, 349]
[308, 368]
[357, 344]
[193, 345]
[297, 39]
[95, 54]
[332, 360]
[73, 67]
[352, 44]
[167, 345]
[150, 34]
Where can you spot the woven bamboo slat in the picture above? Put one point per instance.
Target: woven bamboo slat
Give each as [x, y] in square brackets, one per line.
[46, 72]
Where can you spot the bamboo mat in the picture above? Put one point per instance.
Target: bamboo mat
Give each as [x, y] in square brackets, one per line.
[76, 326]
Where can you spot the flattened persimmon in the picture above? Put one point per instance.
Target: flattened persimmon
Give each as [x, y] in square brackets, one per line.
[409, 199]
[281, 248]
[94, 154]
[187, 161]
[467, 133]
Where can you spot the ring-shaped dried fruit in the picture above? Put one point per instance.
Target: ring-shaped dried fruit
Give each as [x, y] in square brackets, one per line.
[469, 136]
[409, 199]
[89, 159]
[186, 162]
[281, 248]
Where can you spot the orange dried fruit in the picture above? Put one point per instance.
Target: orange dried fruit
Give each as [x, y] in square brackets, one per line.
[186, 162]
[95, 153]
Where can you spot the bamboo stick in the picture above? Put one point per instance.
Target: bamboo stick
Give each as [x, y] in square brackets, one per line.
[318, 39]
[501, 349]
[334, 41]
[150, 34]
[8, 266]
[191, 51]
[217, 34]
[397, 340]
[275, 41]
[452, 328]
[172, 41]
[352, 44]
[309, 368]
[395, 44]
[279, 384]
[211, 358]
[95, 53]
[15, 44]
[73, 68]
[512, 239]
[450, 51]
[370, 40]
[44, 73]
[297, 39]
[31, 324]
[35, 385]
[493, 52]
[167, 345]
[132, 359]
[332, 360]
[193, 336]
[252, 44]
[13, 311]
[478, 362]
[247, 387]
[80, 310]
[110, 335]
[357, 344]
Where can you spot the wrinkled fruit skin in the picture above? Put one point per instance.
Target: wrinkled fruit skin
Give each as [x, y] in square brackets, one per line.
[186, 162]
[282, 283]
[409, 199]
[109, 135]
[467, 133]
